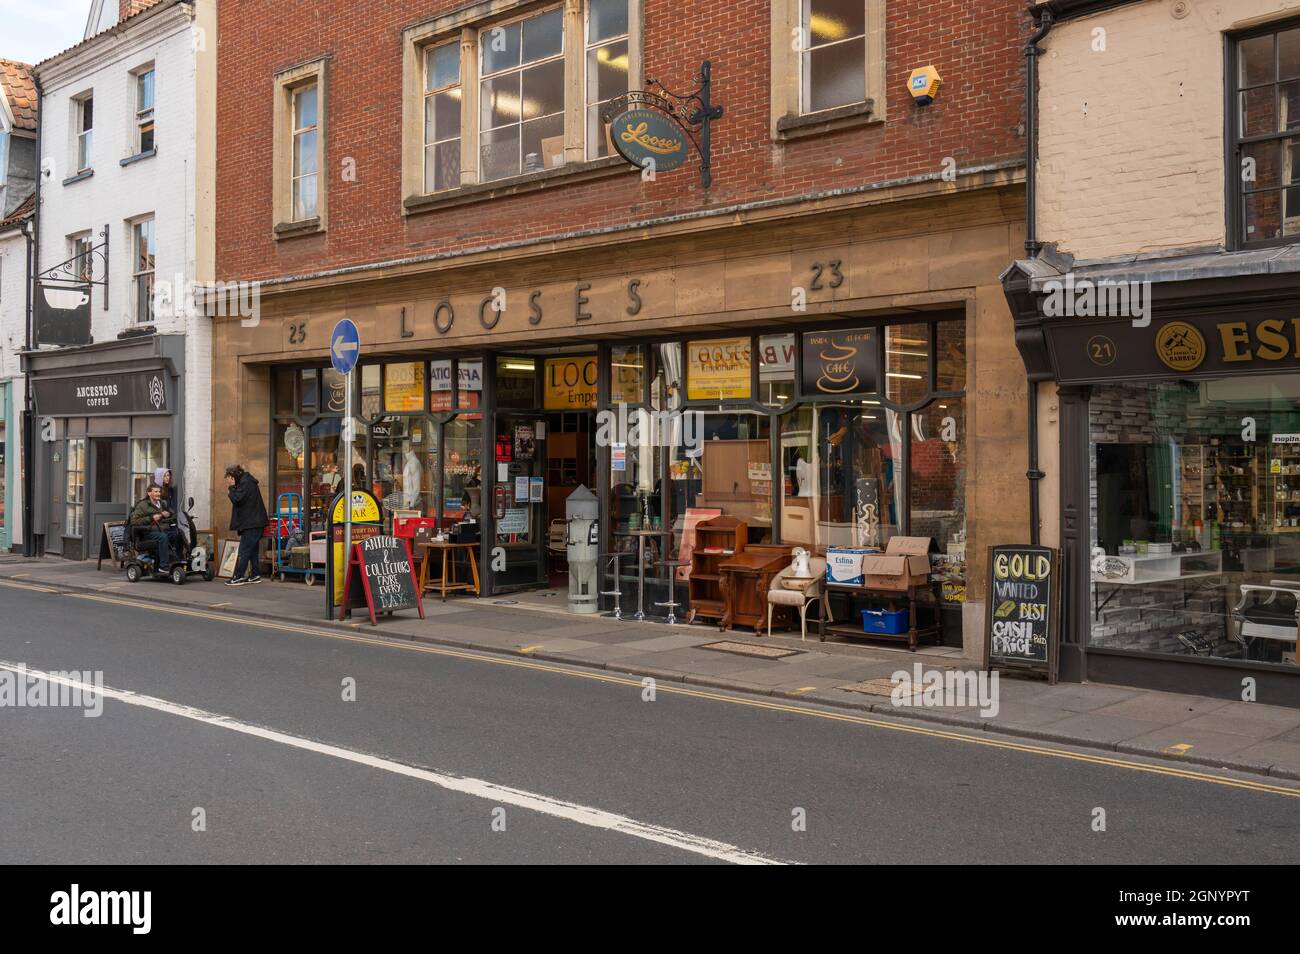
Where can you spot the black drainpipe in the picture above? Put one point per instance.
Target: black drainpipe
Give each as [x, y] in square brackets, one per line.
[1032, 246]
[34, 269]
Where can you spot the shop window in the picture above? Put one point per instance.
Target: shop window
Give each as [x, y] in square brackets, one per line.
[521, 506]
[666, 392]
[626, 375]
[335, 388]
[839, 474]
[950, 346]
[635, 485]
[325, 466]
[937, 488]
[371, 396]
[282, 392]
[404, 465]
[1195, 530]
[1266, 127]
[907, 363]
[606, 67]
[516, 382]
[722, 462]
[776, 357]
[74, 499]
[718, 369]
[404, 386]
[469, 383]
[462, 471]
[147, 455]
[290, 448]
[442, 108]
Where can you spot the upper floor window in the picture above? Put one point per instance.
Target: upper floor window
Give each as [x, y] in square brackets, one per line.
[83, 263]
[606, 67]
[521, 94]
[832, 54]
[300, 187]
[144, 123]
[1266, 129]
[442, 103]
[305, 131]
[142, 270]
[490, 96]
[85, 127]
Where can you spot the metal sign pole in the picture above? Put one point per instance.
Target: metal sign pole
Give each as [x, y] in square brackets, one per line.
[347, 476]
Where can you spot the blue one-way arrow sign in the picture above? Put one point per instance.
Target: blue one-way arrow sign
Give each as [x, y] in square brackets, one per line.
[345, 346]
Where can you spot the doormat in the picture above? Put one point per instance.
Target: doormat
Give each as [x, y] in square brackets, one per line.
[881, 687]
[749, 649]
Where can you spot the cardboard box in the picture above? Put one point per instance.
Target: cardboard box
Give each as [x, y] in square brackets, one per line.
[844, 565]
[905, 562]
[553, 152]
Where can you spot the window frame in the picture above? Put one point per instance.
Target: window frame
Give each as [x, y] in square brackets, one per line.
[137, 274]
[465, 25]
[143, 116]
[788, 118]
[1234, 143]
[80, 245]
[74, 510]
[426, 54]
[287, 83]
[587, 48]
[83, 149]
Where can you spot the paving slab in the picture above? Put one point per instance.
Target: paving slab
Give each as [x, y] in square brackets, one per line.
[1283, 757]
[673, 641]
[1180, 740]
[1014, 712]
[1087, 697]
[1096, 728]
[601, 654]
[1165, 707]
[1250, 719]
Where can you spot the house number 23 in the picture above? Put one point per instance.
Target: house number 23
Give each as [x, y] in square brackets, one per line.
[836, 276]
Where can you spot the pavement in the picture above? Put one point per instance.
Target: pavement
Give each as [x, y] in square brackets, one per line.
[235, 738]
[1251, 737]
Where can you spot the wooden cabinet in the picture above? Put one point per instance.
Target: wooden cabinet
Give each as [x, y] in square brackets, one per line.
[716, 542]
[746, 578]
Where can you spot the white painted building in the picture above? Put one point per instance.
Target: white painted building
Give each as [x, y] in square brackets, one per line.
[128, 164]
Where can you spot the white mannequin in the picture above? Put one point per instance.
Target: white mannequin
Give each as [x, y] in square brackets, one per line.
[411, 481]
[803, 474]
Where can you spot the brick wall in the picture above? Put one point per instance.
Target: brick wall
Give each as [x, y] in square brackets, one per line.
[975, 44]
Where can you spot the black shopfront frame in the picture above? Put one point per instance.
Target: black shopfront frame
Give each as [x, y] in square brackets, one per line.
[657, 586]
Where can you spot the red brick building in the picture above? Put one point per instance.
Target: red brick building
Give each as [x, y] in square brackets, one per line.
[824, 320]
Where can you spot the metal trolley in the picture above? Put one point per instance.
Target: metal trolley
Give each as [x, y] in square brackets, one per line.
[287, 521]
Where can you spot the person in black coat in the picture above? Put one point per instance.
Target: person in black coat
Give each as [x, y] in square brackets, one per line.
[247, 518]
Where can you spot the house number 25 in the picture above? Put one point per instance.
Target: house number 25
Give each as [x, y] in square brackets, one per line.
[819, 269]
[298, 332]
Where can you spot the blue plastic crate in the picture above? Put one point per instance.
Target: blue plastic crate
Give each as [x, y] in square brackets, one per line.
[891, 623]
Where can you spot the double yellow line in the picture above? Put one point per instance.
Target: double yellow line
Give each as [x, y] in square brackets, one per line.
[1028, 748]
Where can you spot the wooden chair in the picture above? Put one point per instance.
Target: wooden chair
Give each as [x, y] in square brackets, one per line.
[801, 595]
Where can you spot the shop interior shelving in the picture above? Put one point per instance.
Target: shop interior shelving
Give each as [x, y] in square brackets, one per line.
[1284, 487]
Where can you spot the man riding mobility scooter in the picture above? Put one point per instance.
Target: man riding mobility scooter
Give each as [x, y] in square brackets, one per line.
[161, 545]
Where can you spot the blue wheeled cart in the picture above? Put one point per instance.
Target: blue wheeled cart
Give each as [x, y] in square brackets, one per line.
[288, 519]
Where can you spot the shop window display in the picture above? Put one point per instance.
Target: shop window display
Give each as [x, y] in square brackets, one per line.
[907, 363]
[776, 357]
[938, 488]
[290, 447]
[723, 463]
[462, 494]
[1195, 517]
[404, 465]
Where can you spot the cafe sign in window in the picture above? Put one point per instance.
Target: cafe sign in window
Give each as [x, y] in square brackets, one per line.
[718, 369]
[840, 362]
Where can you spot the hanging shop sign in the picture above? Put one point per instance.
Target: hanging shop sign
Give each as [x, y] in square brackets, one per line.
[136, 392]
[841, 362]
[1022, 608]
[61, 314]
[569, 384]
[718, 369]
[654, 128]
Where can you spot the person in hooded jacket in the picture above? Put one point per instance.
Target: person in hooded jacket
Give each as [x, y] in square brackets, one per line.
[163, 478]
[247, 518]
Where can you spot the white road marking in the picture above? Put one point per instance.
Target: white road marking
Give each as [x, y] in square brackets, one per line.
[477, 788]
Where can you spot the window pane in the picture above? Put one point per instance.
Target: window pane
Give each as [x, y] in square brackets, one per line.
[335, 386]
[469, 384]
[304, 153]
[442, 166]
[951, 373]
[831, 20]
[627, 374]
[500, 47]
[1256, 56]
[304, 198]
[1258, 111]
[606, 18]
[305, 107]
[87, 114]
[309, 389]
[543, 90]
[543, 36]
[1288, 54]
[145, 91]
[499, 153]
[776, 369]
[370, 396]
[446, 115]
[1263, 216]
[1288, 106]
[1291, 223]
[283, 388]
[837, 75]
[598, 143]
[404, 386]
[607, 72]
[938, 489]
[146, 137]
[907, 363]
[727, 467]
[499, 101]
[1264, 159]
[442, 66]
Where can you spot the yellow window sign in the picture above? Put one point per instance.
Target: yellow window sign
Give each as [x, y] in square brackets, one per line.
[718, 369]
[570, 383]
[404, 386]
